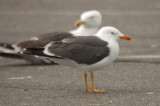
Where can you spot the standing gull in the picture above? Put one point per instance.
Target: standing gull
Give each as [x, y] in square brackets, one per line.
[88, 24]
[87, 53]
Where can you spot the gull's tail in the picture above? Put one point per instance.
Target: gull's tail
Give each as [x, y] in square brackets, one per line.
[39, 54]
[8, 51]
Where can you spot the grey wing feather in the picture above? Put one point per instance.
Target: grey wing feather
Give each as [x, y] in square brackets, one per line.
[55, 36]
[81, 49]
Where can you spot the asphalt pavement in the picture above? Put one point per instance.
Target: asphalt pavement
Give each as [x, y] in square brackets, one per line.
[132, 80]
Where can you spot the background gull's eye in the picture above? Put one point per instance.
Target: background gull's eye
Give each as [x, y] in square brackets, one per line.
[91, 17]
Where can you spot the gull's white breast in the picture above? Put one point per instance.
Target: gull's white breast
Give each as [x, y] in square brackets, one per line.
[114, 51]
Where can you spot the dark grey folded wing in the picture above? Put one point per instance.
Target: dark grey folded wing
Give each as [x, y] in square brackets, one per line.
[33, 43]
[84, 50]
[43, 40]
[55, 36]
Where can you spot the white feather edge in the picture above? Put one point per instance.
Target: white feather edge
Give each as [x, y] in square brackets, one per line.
[47, 52]
[5, 50]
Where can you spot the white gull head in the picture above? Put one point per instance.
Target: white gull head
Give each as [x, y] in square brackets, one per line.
[91, 19]
[111, 33]
[88, 24]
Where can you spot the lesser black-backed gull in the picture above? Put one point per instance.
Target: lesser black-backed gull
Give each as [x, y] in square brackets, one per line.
[87, 53]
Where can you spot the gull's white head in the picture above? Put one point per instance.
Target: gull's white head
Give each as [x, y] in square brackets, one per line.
[90, 19]
[107, 33]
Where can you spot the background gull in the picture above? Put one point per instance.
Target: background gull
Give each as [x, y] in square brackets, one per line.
[88, 24]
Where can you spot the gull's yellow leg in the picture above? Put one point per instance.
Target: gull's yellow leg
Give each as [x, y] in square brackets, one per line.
[92, 89]
[86, 85]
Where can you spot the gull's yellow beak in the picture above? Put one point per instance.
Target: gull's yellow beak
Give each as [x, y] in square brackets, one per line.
[126, 37]
[79, 22]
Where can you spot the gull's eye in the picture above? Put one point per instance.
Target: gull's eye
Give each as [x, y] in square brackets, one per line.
[91, 17]
[112, 33]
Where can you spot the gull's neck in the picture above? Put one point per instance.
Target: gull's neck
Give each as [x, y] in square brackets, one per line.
[84, 31]
[112, 45]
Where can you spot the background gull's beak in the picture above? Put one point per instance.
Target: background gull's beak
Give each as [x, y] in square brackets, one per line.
[126, 37]
[79, 22]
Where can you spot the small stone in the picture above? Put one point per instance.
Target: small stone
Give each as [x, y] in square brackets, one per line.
[110, 102]
[154, 46]
[149, 93]
[25, 90]
[41, 68]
